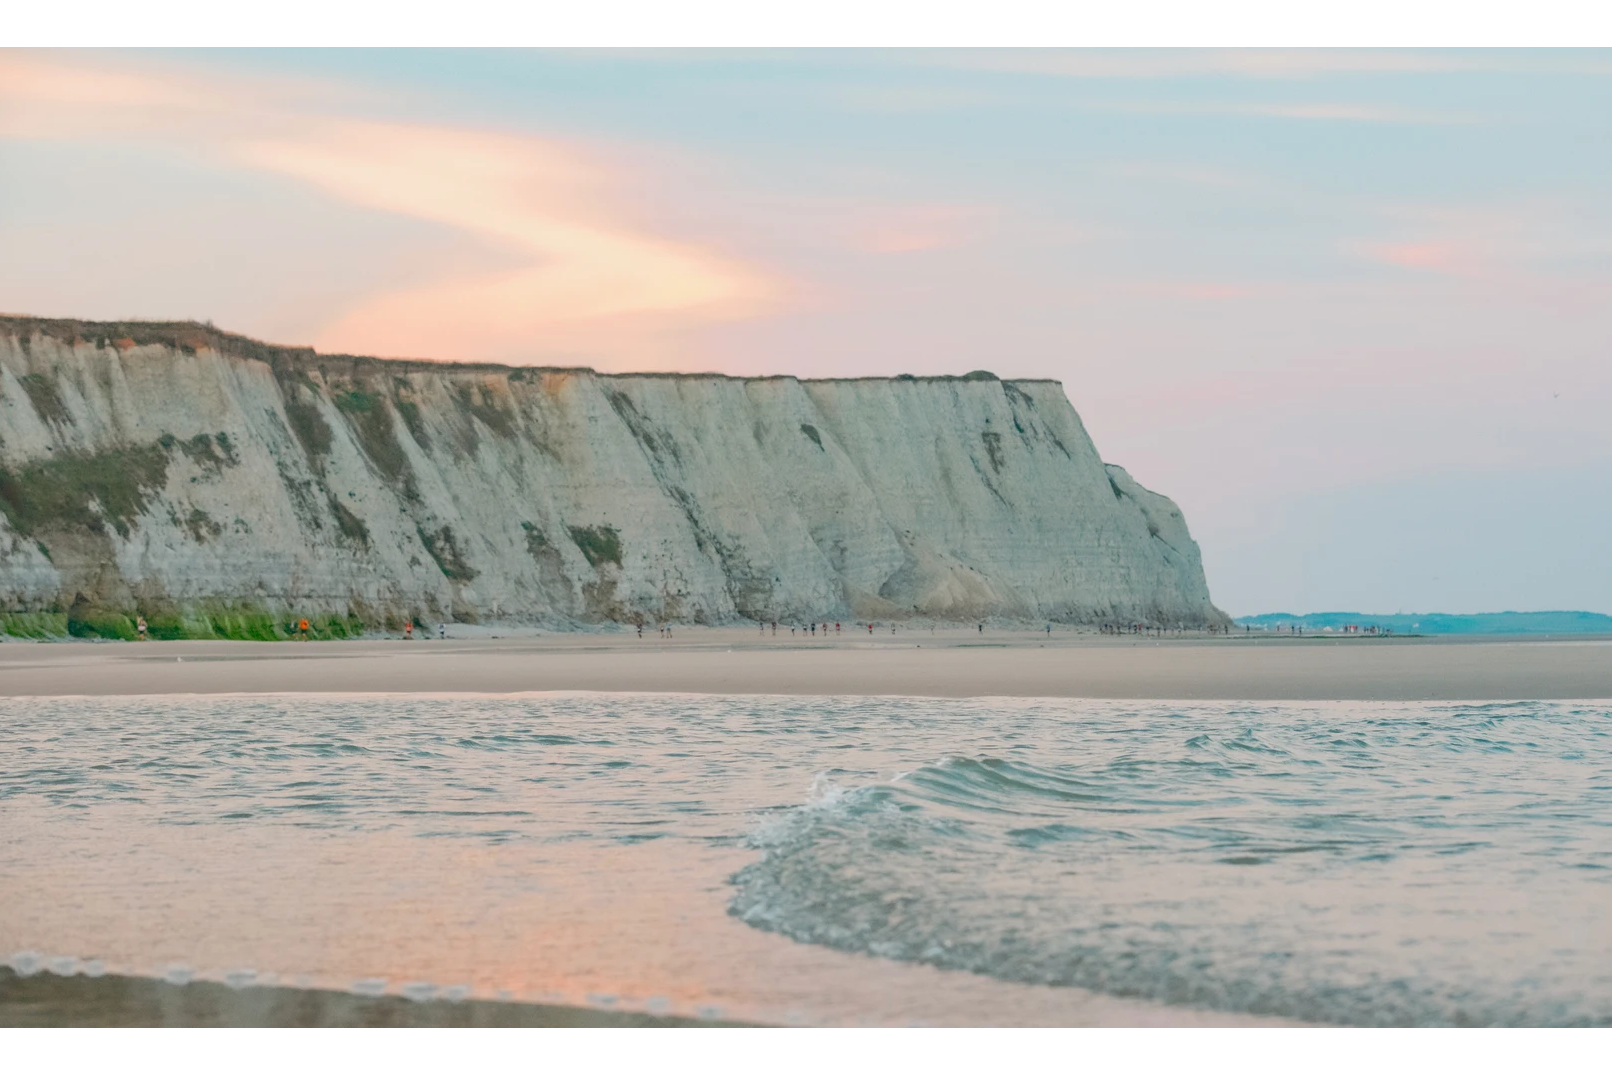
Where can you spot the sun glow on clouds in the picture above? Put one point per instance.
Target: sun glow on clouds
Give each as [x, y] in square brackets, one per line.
[586, 279]
[1497, 243]
[532, 197]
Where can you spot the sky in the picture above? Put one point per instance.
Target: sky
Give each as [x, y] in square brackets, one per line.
[1351, 310]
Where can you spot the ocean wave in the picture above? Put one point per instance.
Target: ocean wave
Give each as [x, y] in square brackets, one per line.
[1312, 872]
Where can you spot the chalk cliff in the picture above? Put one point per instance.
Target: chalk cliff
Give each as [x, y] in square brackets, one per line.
[220, 486]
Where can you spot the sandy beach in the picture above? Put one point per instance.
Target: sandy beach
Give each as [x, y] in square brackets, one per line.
[945, 662]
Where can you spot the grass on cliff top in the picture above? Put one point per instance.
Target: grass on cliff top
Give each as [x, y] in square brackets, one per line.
[192, 336]
[186, 336]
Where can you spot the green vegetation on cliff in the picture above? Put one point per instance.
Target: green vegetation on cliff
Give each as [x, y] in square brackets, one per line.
[244, 622]
[83, 490]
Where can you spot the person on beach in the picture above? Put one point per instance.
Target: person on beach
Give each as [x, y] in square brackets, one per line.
[408, 629]
[140, 626]
[302, 629]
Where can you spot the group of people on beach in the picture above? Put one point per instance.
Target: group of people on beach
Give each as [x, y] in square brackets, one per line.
[810, 628]
[1160, 630]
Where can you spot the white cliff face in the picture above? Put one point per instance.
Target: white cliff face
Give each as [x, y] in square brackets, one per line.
[174, 467]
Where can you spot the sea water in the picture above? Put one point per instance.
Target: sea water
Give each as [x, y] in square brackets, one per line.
[1363, 863]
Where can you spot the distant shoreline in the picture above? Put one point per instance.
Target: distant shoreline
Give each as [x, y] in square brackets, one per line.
[942, 663]
[1541, 623]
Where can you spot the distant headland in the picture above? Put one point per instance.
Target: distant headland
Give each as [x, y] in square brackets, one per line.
[1553, 622]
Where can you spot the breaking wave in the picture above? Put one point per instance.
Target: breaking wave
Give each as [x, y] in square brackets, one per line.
[1439, 865]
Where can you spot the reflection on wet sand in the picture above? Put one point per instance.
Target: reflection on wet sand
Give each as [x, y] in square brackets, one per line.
[631, 927]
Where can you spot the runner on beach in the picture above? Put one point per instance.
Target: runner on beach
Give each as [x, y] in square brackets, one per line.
[408, 628]
[140, 626]
[302, 628]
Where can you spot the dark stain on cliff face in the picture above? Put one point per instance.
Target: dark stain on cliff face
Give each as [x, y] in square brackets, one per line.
[811, 431]
[307, 424]
[1029, 425]
[641, 428]
[347, 522]
[410, 411]
[370, 418]
[444, 549]
[301, 492]
[537, 543]
[993, 450]
[477, 401]
[599, 600]
[47, 400]
[601, 546]
[200, 525]
[211, 454]
[552, 583]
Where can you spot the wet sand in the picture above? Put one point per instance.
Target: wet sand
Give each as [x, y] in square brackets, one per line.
[945, 663]
[644, 925]
[48, 1000]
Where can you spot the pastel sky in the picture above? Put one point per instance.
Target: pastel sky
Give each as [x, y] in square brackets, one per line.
[1352, 310]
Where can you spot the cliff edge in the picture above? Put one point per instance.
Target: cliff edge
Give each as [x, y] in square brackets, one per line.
[219, 486]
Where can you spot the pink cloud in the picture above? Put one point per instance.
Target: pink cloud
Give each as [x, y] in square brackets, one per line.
[918, 228]
[557, 209]
[1469, 241]
[1435, 257]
